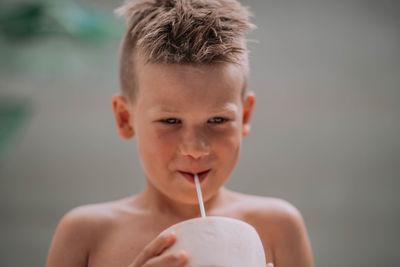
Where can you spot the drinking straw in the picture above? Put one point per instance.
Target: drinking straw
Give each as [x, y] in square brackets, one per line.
[199, 196]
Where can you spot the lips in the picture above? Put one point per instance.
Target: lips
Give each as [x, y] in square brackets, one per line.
[190, 175]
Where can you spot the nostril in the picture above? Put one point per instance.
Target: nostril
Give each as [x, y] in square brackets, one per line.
[195, 147]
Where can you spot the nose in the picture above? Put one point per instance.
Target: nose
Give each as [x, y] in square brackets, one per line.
[194, 144]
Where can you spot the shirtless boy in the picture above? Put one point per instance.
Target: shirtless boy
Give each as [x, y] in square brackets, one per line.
[183, 73]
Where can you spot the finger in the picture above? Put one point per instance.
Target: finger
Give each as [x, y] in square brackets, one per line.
[270, 264]
[154, 248]
[169, 259]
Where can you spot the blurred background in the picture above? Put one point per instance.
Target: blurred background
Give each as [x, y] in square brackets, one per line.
[325, 134]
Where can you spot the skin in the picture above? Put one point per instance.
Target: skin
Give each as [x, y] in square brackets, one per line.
[185, 119]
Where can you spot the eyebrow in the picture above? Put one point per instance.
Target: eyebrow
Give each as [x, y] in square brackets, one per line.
[221, 109]
[225, 108]
[163, 109]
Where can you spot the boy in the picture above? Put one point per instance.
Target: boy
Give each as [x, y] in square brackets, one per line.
[183, 75]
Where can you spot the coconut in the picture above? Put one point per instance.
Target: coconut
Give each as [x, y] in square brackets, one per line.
[218, 242]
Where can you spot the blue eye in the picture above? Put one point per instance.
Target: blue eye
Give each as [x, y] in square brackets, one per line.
[171, 121]
[217, 120]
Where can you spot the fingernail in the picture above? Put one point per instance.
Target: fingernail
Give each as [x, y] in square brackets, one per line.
[171, 235]
[167, 237]
[177, 257]
[180, 256]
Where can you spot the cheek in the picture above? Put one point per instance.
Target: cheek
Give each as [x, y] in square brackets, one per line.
[156, 148]
[228, 142]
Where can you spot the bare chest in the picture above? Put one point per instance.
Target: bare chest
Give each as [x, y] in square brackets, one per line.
[122, 243]
[121, 246]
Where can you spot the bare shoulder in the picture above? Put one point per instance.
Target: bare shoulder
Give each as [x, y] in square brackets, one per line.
[88, 219]
[271, 216]
[79, 230]
[96, 215]
[281, 227]
[261, 210]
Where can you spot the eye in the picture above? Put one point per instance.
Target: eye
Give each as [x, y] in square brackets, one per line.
[170, 121]
[217, 120]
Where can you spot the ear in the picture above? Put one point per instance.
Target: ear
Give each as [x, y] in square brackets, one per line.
[248, 106]
[123, 116]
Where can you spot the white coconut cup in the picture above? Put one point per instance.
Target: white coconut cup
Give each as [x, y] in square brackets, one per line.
[218, 242]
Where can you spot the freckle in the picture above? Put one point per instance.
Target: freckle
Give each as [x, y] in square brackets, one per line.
[159, 136]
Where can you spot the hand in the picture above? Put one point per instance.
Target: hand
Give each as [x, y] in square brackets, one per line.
[151, 255]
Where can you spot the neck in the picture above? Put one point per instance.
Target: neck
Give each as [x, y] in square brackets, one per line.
[158, 203]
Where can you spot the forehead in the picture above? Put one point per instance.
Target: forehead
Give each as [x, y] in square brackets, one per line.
[213, 86]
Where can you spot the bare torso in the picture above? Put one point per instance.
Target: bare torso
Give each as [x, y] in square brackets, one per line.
[123, 229]
[115, 233]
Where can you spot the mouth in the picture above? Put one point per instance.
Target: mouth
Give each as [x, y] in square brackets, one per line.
[189, 176]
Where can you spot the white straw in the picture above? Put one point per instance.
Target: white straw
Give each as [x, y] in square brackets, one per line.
[199, 196]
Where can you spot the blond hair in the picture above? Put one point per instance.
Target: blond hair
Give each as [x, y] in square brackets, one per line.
[183, 32]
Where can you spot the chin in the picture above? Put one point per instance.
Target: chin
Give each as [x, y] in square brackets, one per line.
[187, 199]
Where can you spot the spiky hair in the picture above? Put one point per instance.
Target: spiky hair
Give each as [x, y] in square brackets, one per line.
[183, 32]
